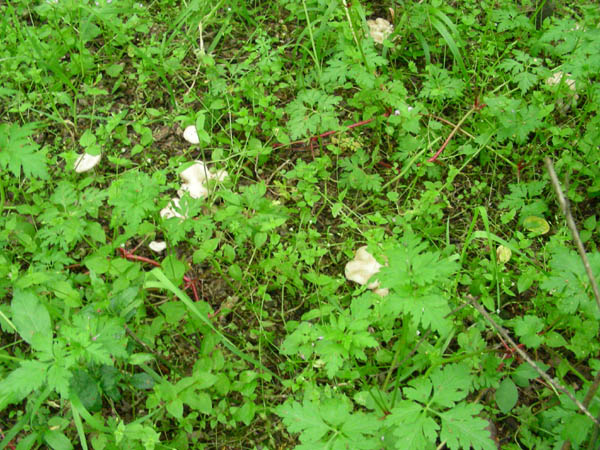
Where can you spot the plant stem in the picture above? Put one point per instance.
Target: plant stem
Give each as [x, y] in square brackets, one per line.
[564, 206]
[555, 384]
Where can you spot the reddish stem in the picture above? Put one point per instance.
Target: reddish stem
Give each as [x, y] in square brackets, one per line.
[314, 139]
[131, 257]
[189, 281]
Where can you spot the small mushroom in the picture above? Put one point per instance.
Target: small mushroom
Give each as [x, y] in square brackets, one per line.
[86, 162]
[362, 268]
[379, 29]
[195, 177]
[157, 246]
[556, 80]
[190, 134]
[170, 210]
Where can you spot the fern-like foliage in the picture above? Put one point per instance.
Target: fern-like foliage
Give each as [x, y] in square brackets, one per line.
[19, 152]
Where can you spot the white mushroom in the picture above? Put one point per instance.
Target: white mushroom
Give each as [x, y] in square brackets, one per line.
[170, 210]
[195, 177]
[86, 162]
[379, 29]
[362, 268]
[157, 246]
[557, 78]
[190, 134]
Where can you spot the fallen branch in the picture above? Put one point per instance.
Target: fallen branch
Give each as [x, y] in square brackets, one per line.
[566, 210]
[564, 206]
[555, 384]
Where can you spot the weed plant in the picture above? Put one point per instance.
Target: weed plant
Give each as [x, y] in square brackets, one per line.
[427, 147]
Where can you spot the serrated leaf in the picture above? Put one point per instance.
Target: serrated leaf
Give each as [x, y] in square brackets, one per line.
[412, 428]
[304, 419]
[507, 395]
[527, 328]
[462, 429]
[19, 152]
[330, 424]
[32, 320]
[59, 379]
[451, 384]
[21, 382]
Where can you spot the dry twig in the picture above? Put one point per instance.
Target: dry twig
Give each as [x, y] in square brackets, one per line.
[555, 384]
[564, 206]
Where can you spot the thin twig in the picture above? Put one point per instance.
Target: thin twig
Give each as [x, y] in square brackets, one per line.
[555, 384]
[564, 206]
[452, 133]
[566, 210]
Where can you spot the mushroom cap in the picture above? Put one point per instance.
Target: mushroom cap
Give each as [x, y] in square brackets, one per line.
[362, 268]
[157, 246]
[379, 29]
[195, 177]
[190, 134]
[86, 162]
[557, 77]
[196, 190]
[169, 211]
[196, 173]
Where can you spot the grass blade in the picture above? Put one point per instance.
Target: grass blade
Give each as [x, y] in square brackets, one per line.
[164, 283]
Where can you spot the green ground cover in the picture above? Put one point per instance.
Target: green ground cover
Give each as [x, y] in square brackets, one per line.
[417, 130]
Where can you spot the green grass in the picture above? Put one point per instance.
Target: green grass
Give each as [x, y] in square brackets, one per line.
[244, 333]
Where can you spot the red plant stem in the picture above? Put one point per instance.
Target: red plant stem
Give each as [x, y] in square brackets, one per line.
[329, 133]
[475, 107]
[189, 281]
[131, 257]
[194, 289]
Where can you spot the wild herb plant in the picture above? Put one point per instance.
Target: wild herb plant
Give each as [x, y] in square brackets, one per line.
[424, 143]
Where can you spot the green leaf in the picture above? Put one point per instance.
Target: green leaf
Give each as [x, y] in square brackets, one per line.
[32, 320]
[86, 388]
[245, 413]
[305, 419]
[142, 381]
[173, 268]
[59, 379]
[235, 272]
[19, 151]
[527, 328]
[87, 139]
[523, 374]
[175, 408]
[536, 225]
[463, 429]
[21, 382]
[57, 440]
[507, 395]
[451, 384]
[199, 401]
[330, 424]
[411, 426]
[140, 358]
